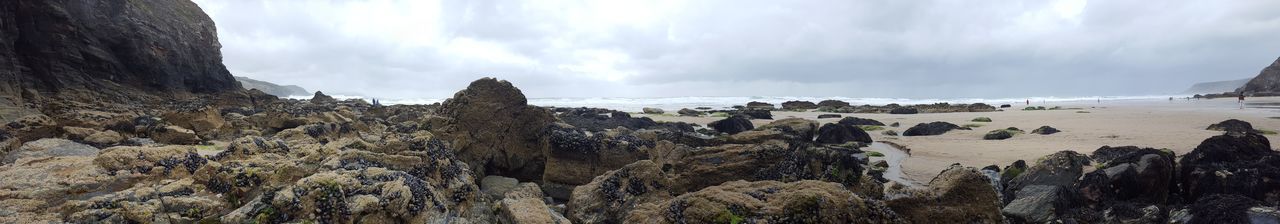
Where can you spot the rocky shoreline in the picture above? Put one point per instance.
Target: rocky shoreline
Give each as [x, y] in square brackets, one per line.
[329, 161]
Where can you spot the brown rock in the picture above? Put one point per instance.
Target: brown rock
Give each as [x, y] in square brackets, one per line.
[957, 195]
[526, 205]
[104, 138]
[492, 128]
[767, 202]
[174, 135]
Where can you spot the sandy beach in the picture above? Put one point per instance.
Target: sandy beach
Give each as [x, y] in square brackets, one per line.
[1178, 125]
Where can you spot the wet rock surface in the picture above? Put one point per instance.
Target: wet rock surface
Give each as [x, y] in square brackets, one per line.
[931, 128]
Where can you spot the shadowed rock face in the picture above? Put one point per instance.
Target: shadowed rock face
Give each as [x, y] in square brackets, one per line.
[50, 46]
[495, 131]
[1267, 81]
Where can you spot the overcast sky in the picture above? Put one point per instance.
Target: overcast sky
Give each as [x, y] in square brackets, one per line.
[637, 48]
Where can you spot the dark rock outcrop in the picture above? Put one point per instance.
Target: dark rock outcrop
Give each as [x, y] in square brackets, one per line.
[859, 121]
[107, 51]
[574, 157]
[832, 133]
[689, 112]
[825, 116]
[1002, 134]
[833, 103]
[760, 106]
[321, 98]
[732, 125]
[799, 105]
[904, 110]
[931, 128]
[1045, 130]
[1232, 125]
[767, 202]
[1129, 173]
[1233, 163]
[1267, 81]
[495, 131]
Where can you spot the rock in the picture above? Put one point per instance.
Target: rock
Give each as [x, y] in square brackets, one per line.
[1005, 106]
[1130, 173]
[1232, 125]
[732, 125]
[860, 121]
[1267, 81]
[757, 114]
[932, 128]
[371, 195]
[77, 133]
[491, 127]
[1013, 170]
[1233, 163]
[49, 147]
[498, 186]
[824, 116]
[611, 196]
[1060, 169]
[203, 121]
[833, 103]
[958, 195]
[895, 124]
[1037, 204]
[767, 202]
[981, 119]
[320, 98]
[174, 135]
[112, 52]
[1222, 208]
[105, 138]
[799, 105]
[650, 110]
[575, 157]
[794, 129]
[170, 160]
[760, 106]
[1001, 134]
[31, 186]
[33, 127]
[524, 204]
[166, 200]
[840, 134]
[904, 110]
[889, 133]
[689, 112]
[592, 120]
[880, 163]
[1045, 130]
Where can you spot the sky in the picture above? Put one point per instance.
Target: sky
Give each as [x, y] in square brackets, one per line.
[663, 48]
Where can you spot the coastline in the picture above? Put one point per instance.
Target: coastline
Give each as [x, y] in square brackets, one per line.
[1177, 125]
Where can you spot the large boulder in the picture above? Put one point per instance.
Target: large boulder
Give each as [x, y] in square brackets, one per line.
[759, 106]
[791, 129]
[1129, 173]
[595, 120]
[732, 125]
[525, 205]
[833, 103]
[798, 105]
[689, 112]
[491, 127]
[767, 202]
[49, 147]
[576, 157]
[756, 114]
[1232, 125]
[839, 134]
[957, 195]
[931, 128]
[1001, 134]
[611, 196]
[1233, 163]
[860, 121]
[1038, 204]
[321, 98]
[650, 110]
[1060, 169]
[176, 135]
[1045, 130]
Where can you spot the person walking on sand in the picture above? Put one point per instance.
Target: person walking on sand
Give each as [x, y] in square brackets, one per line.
[1240, 100]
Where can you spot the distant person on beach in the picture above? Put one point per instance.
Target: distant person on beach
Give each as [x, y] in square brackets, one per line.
[1240, 100]
[1028, 101]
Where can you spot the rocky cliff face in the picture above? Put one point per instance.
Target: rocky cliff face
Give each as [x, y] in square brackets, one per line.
[272, 88]
[1217, 87]
[1267, 81]
[57, 47]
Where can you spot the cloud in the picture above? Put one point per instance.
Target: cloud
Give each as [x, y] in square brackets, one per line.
[936, 48]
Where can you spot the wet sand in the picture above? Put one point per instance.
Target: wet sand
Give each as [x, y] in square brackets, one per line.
[1178, 125]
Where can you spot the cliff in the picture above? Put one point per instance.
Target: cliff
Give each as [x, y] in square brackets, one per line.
[1217, 87]
[272, 88]
[1266, 83]
[113, 51]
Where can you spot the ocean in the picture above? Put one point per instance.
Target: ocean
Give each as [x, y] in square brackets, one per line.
[672, 104]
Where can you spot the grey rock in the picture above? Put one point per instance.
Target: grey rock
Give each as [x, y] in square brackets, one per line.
[50, 147]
